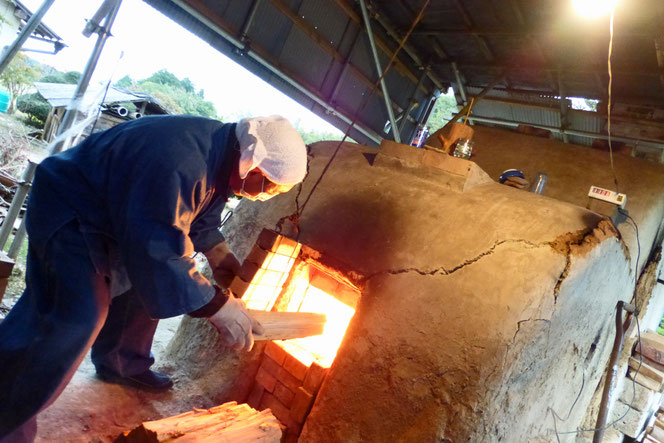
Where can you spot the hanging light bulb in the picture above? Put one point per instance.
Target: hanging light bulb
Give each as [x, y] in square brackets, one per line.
[594, 8]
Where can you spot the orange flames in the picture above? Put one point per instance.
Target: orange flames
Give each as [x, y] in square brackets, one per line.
[284, 283]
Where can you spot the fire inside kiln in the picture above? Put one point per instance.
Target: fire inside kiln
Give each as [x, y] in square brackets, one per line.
[282, 275]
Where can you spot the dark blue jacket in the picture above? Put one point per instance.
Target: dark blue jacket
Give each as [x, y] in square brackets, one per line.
[154, 189]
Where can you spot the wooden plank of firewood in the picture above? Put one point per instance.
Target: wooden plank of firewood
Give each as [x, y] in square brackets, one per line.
[645, 381]
[288, 325]
[227, 422]
[657, 434]
[652, 346]
[646, 369]
[659, 424]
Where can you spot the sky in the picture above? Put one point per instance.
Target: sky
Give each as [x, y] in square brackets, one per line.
[145, 41]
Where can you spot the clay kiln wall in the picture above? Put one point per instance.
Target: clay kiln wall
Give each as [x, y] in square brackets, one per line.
[481, 309]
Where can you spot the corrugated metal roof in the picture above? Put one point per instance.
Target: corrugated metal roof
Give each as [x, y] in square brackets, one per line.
[317, 52]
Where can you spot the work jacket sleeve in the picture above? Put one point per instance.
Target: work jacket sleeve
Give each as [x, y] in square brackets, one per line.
[155, 243]
[205, 233]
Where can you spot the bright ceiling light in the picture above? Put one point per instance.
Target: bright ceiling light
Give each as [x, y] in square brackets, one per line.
[594, 8]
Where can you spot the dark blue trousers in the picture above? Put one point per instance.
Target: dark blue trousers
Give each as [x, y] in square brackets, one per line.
[62, 311]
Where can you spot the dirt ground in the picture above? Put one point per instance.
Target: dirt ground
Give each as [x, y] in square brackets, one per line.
[90, 410]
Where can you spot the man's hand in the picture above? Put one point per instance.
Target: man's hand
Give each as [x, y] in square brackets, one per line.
[235, 325]
[223, 263]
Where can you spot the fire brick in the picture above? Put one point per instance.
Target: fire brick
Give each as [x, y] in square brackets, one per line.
[275, 352]
[295, 367]
[255, 396]
[239, 287]
[301, 405]
[283, 394]
[247, 271]
[314, 378]
[280, 411]
[257, 256]
[266, 379]
[266, 239]
[280, 374]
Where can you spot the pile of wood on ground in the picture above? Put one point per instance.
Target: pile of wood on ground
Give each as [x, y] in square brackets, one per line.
[230, 422]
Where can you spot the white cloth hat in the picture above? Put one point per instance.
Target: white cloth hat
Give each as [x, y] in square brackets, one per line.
[272, 145]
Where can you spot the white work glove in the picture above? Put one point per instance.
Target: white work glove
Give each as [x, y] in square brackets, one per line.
[235, 325]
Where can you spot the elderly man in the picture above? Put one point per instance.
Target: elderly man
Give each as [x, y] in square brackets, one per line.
[113, 224]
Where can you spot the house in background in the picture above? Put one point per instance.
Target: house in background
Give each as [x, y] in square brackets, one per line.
[13, 16]
[114, 106]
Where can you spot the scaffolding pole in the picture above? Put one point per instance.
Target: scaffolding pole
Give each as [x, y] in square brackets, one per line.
[109, 10]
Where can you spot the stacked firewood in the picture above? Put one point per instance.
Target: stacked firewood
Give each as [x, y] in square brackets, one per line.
[639, 394]
[648, 360]
[229, 422]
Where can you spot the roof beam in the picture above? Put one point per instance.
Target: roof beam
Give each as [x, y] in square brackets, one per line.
[594, 135]
[569, 70]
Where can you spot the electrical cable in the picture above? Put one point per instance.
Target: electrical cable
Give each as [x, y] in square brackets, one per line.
[634, 299]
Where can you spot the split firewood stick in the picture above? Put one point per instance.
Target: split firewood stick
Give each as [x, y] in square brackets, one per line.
[288, 325]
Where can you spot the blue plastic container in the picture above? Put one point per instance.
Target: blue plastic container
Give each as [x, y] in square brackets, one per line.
[4, 100]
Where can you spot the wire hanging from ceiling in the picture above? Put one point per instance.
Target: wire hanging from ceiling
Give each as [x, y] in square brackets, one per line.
[295, 218]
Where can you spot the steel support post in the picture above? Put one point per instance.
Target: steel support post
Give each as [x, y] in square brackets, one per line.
[103, 31]
[462, 88]
[11, 50]
[383, 86]
[18, 240]
[17, 203]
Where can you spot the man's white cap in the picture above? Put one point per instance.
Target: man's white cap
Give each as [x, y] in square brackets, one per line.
[272, 145]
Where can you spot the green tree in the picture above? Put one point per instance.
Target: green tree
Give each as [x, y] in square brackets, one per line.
[125, 82]
[178, 96]
[18, 77]
[36, 107]
[443, 111]
[70, 77]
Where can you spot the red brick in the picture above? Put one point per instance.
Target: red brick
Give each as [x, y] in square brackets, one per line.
[275, 352]
[314, 378]
[257, 256]
[280, 374]
[301, 405]
[283, 394]
[247, 271]
[265, 379]
[266, 239]
[295, 367]
[239, 287]
[254, 399]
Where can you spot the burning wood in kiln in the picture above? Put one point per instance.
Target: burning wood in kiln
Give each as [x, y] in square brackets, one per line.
[228, 422]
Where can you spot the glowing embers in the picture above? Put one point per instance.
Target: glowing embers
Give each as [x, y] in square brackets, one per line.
[314, 289]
